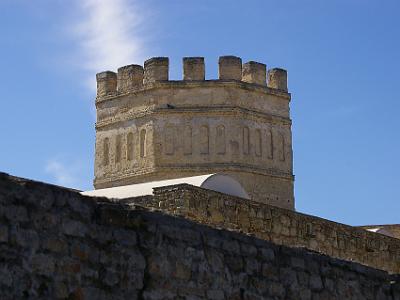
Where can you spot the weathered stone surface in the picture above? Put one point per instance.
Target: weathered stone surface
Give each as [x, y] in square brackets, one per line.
[254, 72]
[3, 233]
[74, 228]
[106, 83]
[129, 78]
[277, 79]
[26, 238]
[16, 213]
[43, 264]
[193, 68]
[55, 244]
[153, 255]
[125, 237]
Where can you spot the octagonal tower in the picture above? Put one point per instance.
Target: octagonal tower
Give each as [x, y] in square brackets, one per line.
[152, 128]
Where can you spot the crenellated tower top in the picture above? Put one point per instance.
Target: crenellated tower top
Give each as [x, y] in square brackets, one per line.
[133, 78]
[152, 128]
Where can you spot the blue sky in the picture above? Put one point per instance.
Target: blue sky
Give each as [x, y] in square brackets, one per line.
[342, 58]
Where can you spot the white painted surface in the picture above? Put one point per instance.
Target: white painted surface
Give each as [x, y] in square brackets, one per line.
[224, 184]
[216, 182]
[381, 231]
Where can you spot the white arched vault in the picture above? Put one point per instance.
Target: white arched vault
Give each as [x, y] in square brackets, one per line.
[217, 182]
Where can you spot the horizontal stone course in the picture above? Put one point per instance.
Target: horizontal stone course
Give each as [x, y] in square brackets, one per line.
[129, 251]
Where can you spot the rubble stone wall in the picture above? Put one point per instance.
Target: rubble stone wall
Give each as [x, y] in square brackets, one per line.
[280, 226]
[57, 244]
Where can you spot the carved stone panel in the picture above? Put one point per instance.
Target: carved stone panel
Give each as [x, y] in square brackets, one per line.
[220, 142]
[270, 144]
[246, 140]
[129, 147]
[281, 146]
[258, 142]
[187, 140]
[142, 142]
[169, 140]
[204, 140]
[118, 147]
[106, 151]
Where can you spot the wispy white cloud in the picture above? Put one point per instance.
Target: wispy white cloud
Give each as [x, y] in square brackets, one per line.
[109, 34]
[65, 174]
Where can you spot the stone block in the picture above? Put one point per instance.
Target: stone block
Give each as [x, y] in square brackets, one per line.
[69, 265]
[60, 290]
[106, 84]
[156, 69]
[45, 220]
[303, 278]
[267, 254]
[81, 206]
[136, 280]
[110, 278]
[254, 72]
[288, 278]
[277, 290]
[92, 292]
[81, 251]
[231, 246]
[159, 294]
[215, 260]
[234, 263]
[248, 250]
[215, 294]
[136, 260]
[193, 68]
[43, 264]
[6, 278]
[16, 213]
[316, 283]
[74, 228]
[3, 233]
[230, 68]
[129, 78]
[297, 262]
[56, 245]
[277, 79]
[253, 266]
[182, 271]
[26, 238]
[125, 237]
[304, 294]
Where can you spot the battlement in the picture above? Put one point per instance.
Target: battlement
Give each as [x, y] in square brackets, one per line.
[133, 78]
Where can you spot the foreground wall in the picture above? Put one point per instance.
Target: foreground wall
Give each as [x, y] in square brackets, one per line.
[55, 243]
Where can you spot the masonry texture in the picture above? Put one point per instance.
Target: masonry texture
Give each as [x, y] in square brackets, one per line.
[151, 128]
[57, 244]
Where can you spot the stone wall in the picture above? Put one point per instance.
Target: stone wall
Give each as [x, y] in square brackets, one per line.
[160, 129]
[280, 226]
[57, 244]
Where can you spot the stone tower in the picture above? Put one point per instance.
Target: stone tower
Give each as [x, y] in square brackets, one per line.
[152, 128]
